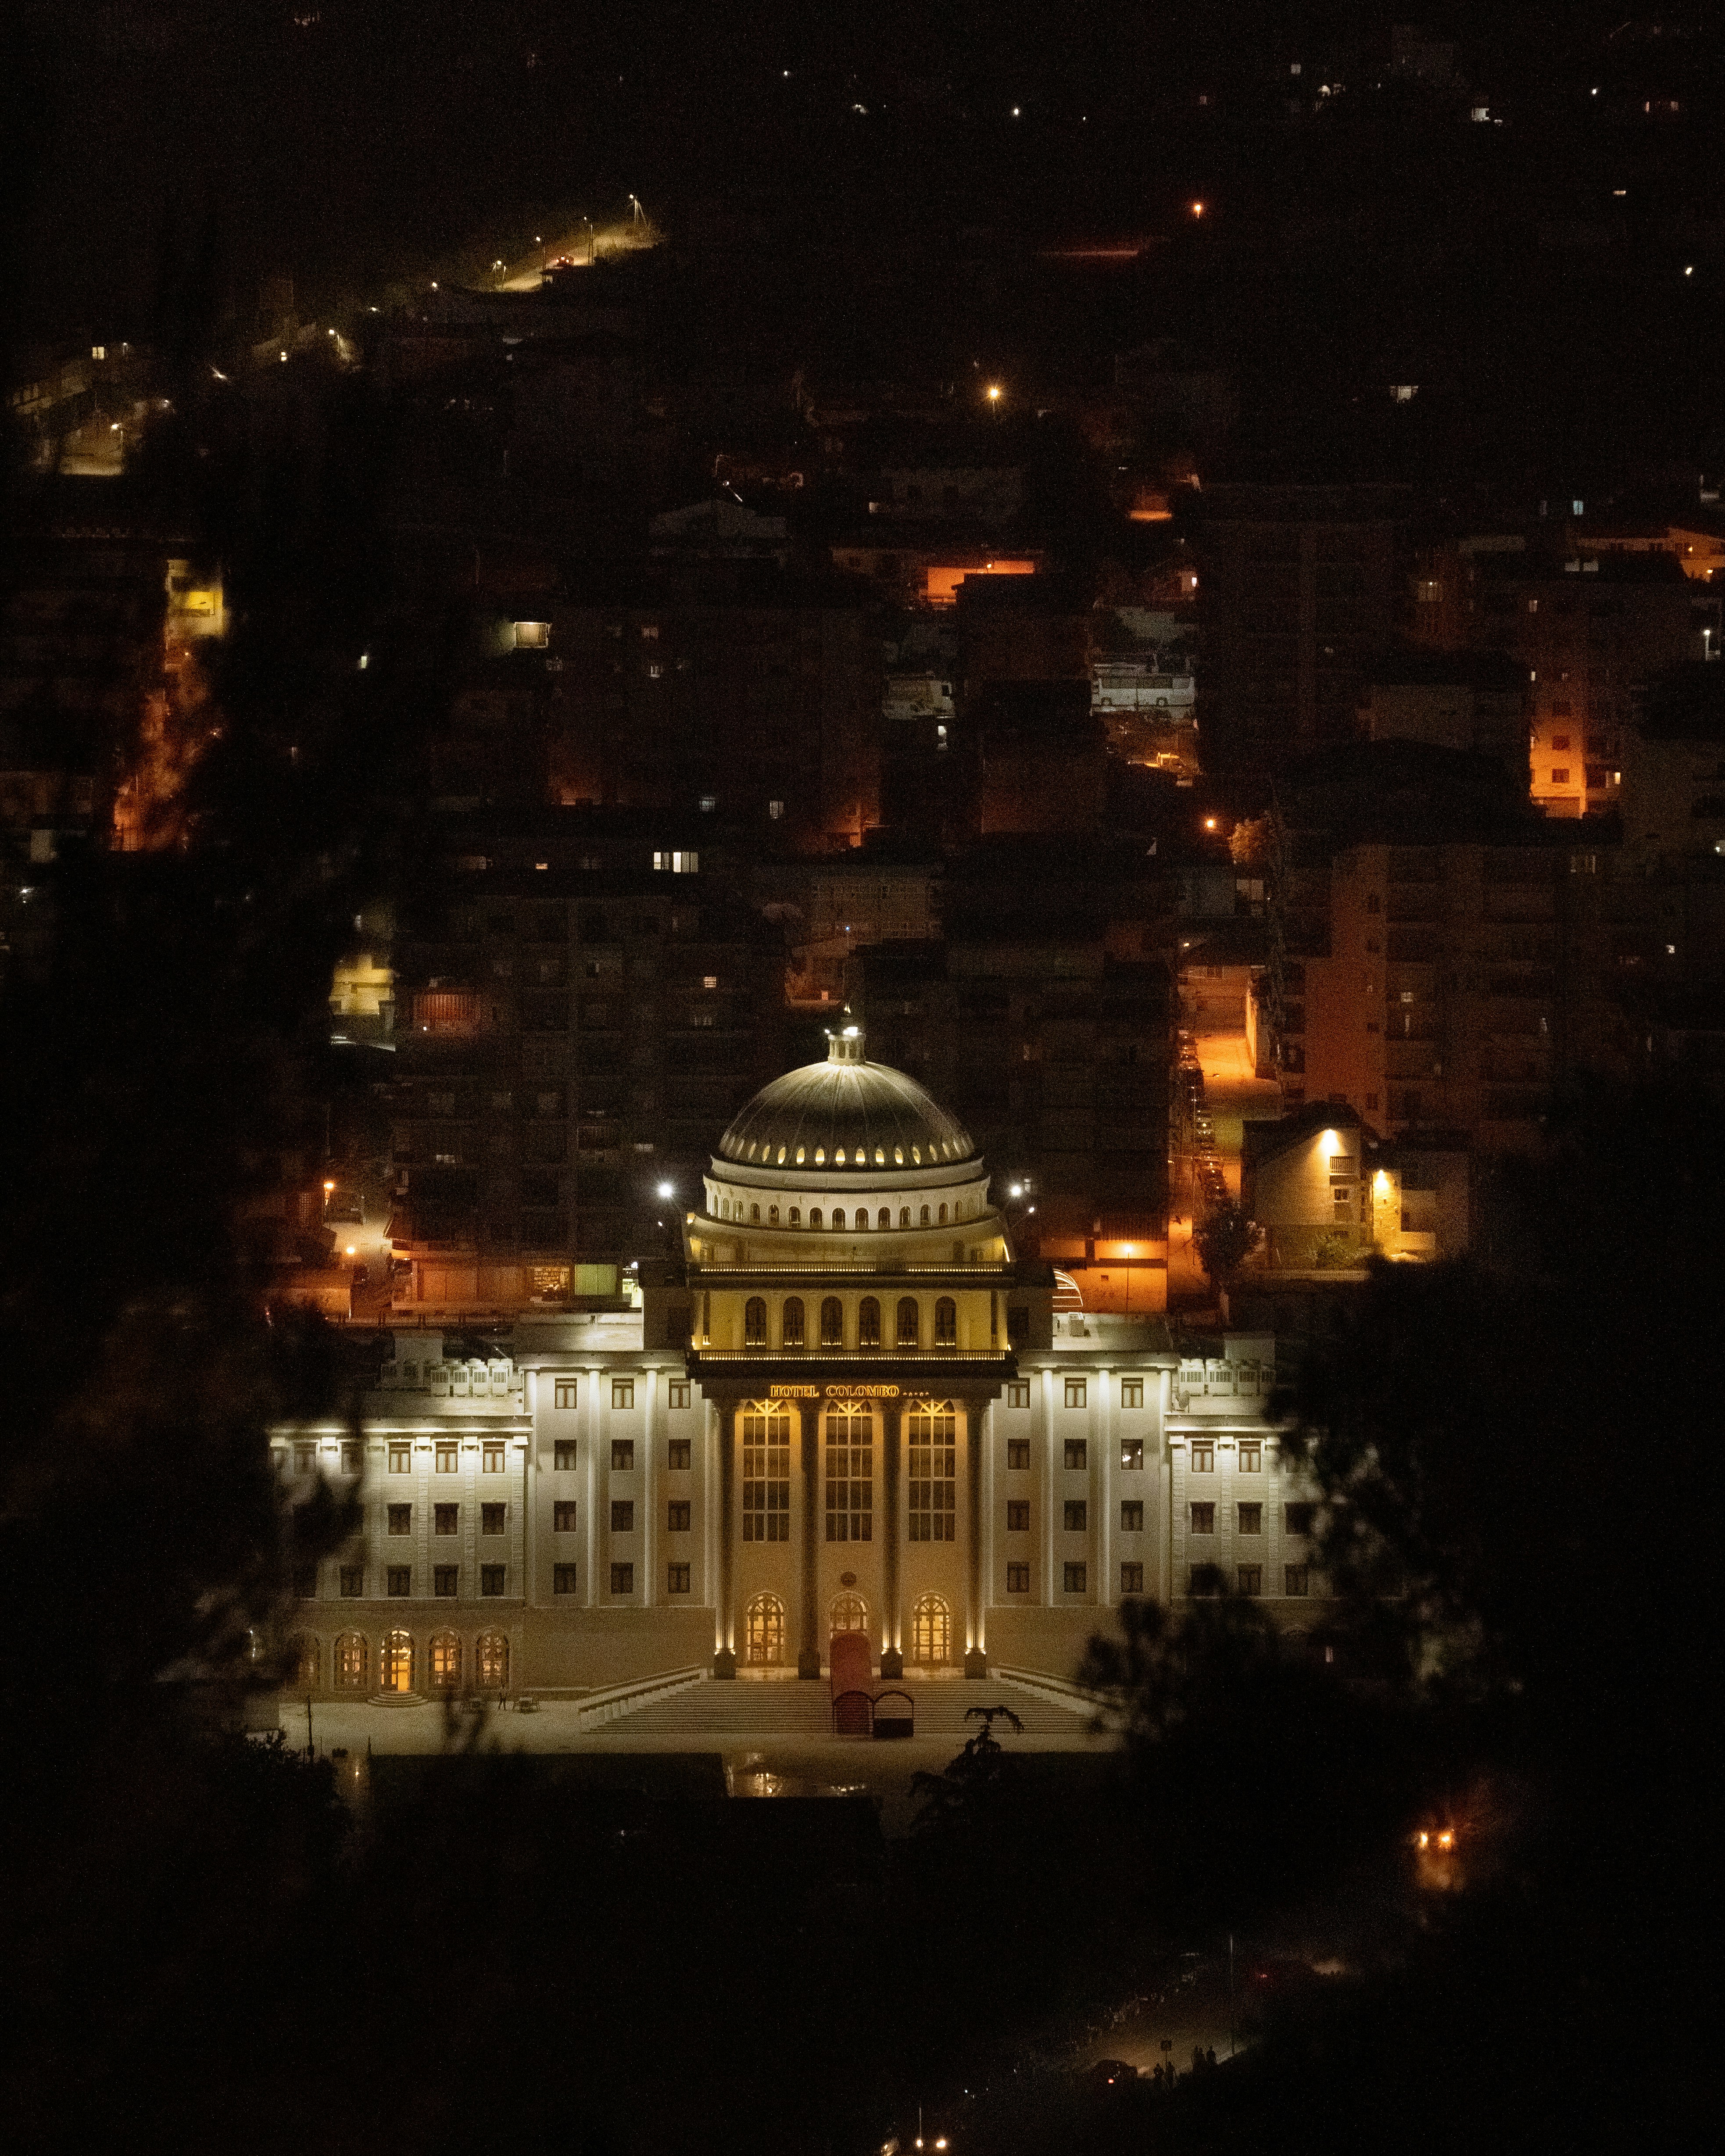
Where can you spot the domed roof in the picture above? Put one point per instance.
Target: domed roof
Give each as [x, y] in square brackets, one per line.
[846, 1112]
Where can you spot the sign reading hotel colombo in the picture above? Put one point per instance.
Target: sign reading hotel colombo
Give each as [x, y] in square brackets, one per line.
[842, 1392]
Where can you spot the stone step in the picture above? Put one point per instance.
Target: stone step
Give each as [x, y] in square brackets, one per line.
[727, 1708]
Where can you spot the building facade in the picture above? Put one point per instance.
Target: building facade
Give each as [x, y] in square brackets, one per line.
[849, 1408]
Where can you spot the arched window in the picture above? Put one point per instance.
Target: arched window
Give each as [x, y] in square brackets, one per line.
[925, 1216]
[395, 1665]
[868, 1322]
[490, 1661]
[764, 1632]
[755, 1215]
[909, 1321]
[862, 1216]
[959, 1208]
[351, 1659]
[304, 1662]
[754, 1322]
[904, 1216]
[796, 1219]
[792, 1336]
[886, 1218]
[931, 1631]
[832, 1321]
[814, 1216]
[772, 1216]
[946, 1322]
[837, 1216]
[944, 1216]
[850, 1614]
[445, 1661]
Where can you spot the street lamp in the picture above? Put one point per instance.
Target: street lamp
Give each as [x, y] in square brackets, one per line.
[667, 1190]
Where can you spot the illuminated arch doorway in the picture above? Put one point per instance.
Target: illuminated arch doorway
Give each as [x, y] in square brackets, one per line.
[931, 1631]
[395, 1665]
[765, 1632]
[351, 1658]
[490, 1661]
[445, 1661]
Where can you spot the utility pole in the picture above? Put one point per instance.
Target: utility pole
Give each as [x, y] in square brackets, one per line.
[1230, 1994]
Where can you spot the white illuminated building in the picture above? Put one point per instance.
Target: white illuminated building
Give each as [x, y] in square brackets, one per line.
[849, 1408]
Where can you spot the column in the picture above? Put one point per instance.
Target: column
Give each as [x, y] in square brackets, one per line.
[591, 1486]
[808, 1643]
[1049, 1493]
[975, 1660]
[1104, 1487]
[651, 1543]
[724, 1658]
[892, 1422]
[533, 1525]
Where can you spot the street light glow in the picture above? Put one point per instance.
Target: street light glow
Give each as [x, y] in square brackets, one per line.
[667, 1190]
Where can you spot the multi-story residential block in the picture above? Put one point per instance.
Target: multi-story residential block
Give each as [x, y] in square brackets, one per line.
[1298, 593]
[575, 1007]
[750, 693]
[849, 1410]
[1436, 953]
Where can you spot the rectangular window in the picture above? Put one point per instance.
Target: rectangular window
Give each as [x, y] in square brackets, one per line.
[304, 1456]
[1075, 1391]
[623, 1579]
[1298, 1519]
[563, 1393]
[1203, 1519]
[444, 1578]
[1018, 1517]
[623, 1455]
[1132, 1392]
[1296, 1579]
[676, 1393]
[306, 1581]
[1132, 1579]
[353, 1581]
[623, 1392]
[1251, 1456]
[563, 1517]
[1017, 1394]
[1076, 1515]
[400, 1459]
[679, 1453]
[1131, 1454]
[677, 1516]
[350, 1457]
[493, 1519]
[491, 1578]
[765, 1477]
[1077, 1452]
[401, 1519]
[932, 1434]
[850, 1478]
[1251, 1519]
[1018, 1453]
[398, 1579]
[446, 1519]
[449, 1456]
[676, 1579]
[563, 1579]
[1017, 1579]
[623, 1515]
[1251, 1579]
[1075, 1578]
[491, 1456]
[563, 1455]
[1204, 1457]
[1132, 1517]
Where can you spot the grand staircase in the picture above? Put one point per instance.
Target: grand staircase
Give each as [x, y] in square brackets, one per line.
[727, 1711]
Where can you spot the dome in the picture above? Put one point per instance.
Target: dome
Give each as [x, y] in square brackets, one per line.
[845, 1113]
